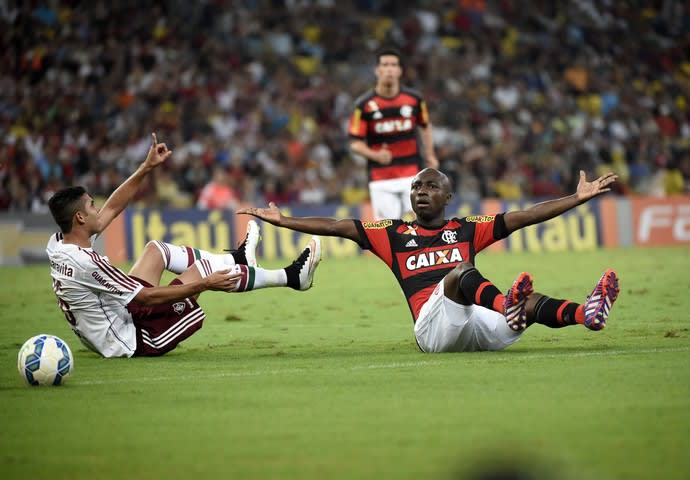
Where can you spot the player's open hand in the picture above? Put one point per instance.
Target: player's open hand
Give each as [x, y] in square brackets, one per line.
[587, 190]
[271, 214]
[223, 280]
[158, 153]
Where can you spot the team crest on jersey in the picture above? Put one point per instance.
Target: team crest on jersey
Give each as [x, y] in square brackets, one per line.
[377, 225]
[373, 106]
[406, 111]
[179, 307]
[480, 218]
[449, 236]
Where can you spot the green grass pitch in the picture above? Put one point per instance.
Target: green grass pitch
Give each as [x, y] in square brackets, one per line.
[329, 384]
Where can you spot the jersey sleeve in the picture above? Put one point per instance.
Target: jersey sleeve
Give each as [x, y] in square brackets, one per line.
[357, 127]
[487, 230]
[423, 118]
[374, 237]
[98, 275]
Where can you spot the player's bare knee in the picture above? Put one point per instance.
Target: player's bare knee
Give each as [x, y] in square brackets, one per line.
[151, 248]
[152, 253]
[461, 269]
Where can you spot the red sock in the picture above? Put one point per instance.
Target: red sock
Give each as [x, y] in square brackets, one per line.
[500, 303]
[580, 314]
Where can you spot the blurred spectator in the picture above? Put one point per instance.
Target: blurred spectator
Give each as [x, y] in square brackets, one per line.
[219, 192]
[522, 94]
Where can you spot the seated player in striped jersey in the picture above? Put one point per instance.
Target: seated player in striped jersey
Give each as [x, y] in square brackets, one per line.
[453, 306]
[118, 314]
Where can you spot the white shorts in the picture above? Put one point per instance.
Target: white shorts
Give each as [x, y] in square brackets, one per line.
[446, 326]
[390, 198]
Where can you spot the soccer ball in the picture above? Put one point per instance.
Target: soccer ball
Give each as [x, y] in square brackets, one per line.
[44, 360]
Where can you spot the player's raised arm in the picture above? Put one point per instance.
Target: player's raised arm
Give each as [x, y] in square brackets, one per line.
[427, 135]
[552, 208]
[331, 227]
[119, 199]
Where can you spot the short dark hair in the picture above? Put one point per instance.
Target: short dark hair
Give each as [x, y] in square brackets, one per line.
[64, 204]
[388, 51]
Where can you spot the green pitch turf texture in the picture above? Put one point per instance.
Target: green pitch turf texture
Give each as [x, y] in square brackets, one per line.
[328, 384]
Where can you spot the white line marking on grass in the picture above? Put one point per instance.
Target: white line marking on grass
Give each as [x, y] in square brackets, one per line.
[439, 360]
[602, 353]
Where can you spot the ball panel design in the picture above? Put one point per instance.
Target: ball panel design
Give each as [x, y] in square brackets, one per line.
[44, 360]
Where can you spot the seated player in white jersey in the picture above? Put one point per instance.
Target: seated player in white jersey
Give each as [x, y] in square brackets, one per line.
[454, 308]
[118, 314]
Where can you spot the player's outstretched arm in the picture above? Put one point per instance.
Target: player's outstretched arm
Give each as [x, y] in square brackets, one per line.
[221, 280]
[552, 208]
[330, 227]
[119, 199]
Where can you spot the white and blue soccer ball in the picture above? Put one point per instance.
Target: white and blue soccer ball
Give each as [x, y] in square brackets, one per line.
[45, 360]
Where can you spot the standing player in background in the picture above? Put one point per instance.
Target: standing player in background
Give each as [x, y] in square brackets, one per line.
[456, 309]
[383, 129]
[118, 314]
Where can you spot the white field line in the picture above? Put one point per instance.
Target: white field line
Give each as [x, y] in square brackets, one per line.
[377, 366]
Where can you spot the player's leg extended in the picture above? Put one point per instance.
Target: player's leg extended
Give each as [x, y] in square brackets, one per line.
[159, 256]
[468, 286]
[593, 313]
[299, 275]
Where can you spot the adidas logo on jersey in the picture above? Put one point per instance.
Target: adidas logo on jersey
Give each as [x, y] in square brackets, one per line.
[411, 243]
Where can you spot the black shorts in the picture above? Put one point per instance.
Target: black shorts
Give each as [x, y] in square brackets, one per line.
[160, 328]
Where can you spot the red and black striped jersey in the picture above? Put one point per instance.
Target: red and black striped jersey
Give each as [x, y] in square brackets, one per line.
[391, 121]
[420, 258]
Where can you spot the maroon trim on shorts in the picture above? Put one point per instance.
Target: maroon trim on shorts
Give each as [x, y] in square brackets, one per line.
[160, 328]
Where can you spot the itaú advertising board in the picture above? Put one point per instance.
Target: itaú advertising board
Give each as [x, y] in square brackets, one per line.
[661, 221]
[583, 228]
[216, 230]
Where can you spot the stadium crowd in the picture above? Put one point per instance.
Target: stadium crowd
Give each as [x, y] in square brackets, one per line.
[253, 97]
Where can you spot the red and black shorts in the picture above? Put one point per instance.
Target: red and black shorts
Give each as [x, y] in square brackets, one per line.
[160, 328]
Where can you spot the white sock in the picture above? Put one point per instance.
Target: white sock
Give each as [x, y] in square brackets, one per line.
[254, 278]
[207, 266]
[179, 258]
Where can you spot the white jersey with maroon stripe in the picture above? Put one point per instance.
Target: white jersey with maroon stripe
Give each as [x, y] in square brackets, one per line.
[93, 295]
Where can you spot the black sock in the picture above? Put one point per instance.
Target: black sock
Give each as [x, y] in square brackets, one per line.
[555, 313]
[480, 291]
[239, 255]
[292, 270]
